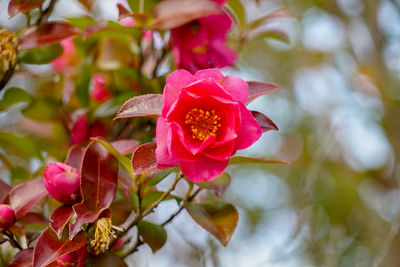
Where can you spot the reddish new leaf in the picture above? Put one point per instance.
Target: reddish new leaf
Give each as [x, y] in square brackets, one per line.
[123, 12]
[99, 175]
[32, 218]
[49, 247]
[84, 215]
[59, 218]
[74, 157]
[22, 259]
[43, 34]
[265, 123]
[218, 185]
[174, 13]
[144, 159]
[17, 6]
[4, 190]
[125, 146]
[144, 105]
[257, 89]
[25, 196]
[218, 218]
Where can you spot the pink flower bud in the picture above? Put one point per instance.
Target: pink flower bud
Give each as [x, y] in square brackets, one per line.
[80, 130]
[7, 216]
[62, 182]
[99, 91]
[76, 258]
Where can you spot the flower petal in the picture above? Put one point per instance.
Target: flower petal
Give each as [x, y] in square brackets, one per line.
[174, 83]
[215, 74]
[250, 131]
[204, 169]
[222, 152]
[163, 136]
[237, 87]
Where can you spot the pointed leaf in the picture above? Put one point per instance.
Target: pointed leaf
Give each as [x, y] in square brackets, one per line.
[40, 55]
[218, 218]
[144, 159]
[74, 157]
[257, 89]
[123, 12]
[99, 175]
[270, 34]
[22, 259]
[174, 13]
[238, 12]
[44, 34]
[144, 105]
[12, 96]
[4, 190]
[32, 218]
[59, 218]
[25, 196]
[244, 160]
[125, 146]
[153, 234]
[49, 247]
[17, 6]
[218, 185]
[83, 216]
[124, 161]
[277, 13]
[265, 123]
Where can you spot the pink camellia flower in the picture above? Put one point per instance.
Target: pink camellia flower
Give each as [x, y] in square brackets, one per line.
[99, 90]
[203, 123]
[68, 58]
[76, 258]
[80, 129]
[201, 44]
[7, 216]
[62, 182]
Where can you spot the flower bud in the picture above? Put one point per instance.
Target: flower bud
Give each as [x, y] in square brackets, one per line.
[7, 216]
[80, 130]
[62, 182]
[76, 258]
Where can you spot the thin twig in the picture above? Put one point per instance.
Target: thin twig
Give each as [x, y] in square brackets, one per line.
[45, 14]
[12, 239]
[134, 248]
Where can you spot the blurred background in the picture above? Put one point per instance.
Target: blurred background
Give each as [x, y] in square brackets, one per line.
[337, 203]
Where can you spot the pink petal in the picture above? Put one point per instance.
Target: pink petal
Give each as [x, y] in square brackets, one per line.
[250, 131]
[222, 152]
[204, 169]
[208, 87]
[163, 136]
[215, 74]
[237, 87]
[174, 83]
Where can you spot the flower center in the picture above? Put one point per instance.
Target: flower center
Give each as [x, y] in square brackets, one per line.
[8, 50]
[103, 234]
[202, 123]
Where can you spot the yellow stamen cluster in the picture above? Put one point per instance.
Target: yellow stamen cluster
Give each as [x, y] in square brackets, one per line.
[202, 123]
[102, 235]
[8, 50]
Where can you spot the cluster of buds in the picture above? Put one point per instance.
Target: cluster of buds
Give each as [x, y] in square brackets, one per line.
[103, 235]
[8, 50]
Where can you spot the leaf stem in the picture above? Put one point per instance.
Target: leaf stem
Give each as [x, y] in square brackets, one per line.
[12, 239]
[45, 14]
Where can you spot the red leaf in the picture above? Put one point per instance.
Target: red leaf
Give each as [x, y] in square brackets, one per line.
[84, 215]
[173, 13]
[257, 89]
[265, 123]
[99, 175]
[22, 259]
[25, 196]
[4, 190]
[59, 218]
[32, 218]
[144, 159]
[123, 12]
[17, 6]
[49, 248]
[43, 34]
[108, 259]
[144, 105]
[218, 185]
[74, 157]
[125, 146]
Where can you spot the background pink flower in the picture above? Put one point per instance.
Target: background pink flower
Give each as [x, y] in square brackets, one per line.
[99, 90]
[68, 59]
[203, 123]
[201, 44]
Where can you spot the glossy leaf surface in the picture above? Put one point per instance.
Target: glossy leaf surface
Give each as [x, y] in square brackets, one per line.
[265, 123]
[257, 89]
[144, 105]
[153, 234]
[144, 159]
[22, 259]
[17, 6]
[59, 218]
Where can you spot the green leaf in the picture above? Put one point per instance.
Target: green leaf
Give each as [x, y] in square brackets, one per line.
[82, 83]
[272, 34]
[124, 161]
[245, 160]
[153, 234]
[218, 218]
[238, 11]
[153, 196]
[218, 185]
[82, 22]
[40, 55]
[21, 146]
[41, 110]
[13, 96]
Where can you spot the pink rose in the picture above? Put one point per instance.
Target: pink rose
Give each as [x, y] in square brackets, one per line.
[203, 122]
[80, 129]
[76, 258]
[201, 44]
[62, 182]
[68, 59]
[7, 216]
[99, 90]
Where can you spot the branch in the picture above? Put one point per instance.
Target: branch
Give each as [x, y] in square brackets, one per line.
[12, 239]
[44, 15]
